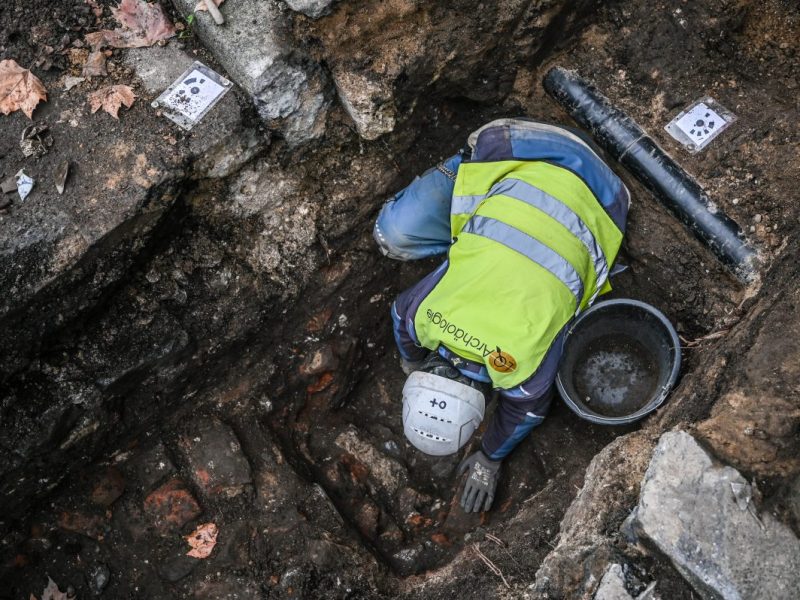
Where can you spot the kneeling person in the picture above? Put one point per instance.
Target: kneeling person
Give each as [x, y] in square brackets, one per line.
[531, 219]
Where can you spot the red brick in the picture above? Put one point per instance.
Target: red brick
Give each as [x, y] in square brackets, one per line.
[92, 526]
[324, 381]
[172, 504]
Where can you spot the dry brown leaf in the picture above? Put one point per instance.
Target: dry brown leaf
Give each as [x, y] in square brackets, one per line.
[111, 98]
[202, 540]
[202, 4]
[143, 24]
[51, 592]
[19, 89]
[95, 65]
[97, 10]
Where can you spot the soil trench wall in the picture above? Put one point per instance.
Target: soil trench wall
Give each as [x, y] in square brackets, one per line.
[74, 378]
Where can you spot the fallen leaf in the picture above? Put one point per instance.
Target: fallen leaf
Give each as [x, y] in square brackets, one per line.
[95, 65]
[202, 540]
[111, 98]
[60, 177]
[19, 89]
[143, 24]
[51, 592]
[202, 4]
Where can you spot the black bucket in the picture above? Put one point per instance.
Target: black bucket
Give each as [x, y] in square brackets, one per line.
[620, 360]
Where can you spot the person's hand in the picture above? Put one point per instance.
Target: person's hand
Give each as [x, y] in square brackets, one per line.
[481, 484]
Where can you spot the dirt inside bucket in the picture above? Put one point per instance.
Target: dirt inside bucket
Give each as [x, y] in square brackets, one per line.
[615, 376]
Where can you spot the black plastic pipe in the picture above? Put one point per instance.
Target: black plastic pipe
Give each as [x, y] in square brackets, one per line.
[626, 142]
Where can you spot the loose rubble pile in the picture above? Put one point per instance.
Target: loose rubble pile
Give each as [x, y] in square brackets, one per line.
[199, 389]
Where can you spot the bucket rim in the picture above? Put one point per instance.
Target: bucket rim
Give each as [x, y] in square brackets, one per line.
[659, 398]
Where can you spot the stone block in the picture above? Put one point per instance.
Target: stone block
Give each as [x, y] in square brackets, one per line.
[109, 487]
[386, 472]
[310, 8]
[701, 516]
[367, 100]
[256, 49]
[214, 455]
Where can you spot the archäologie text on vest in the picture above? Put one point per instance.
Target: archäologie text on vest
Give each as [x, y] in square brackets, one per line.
[499, 360]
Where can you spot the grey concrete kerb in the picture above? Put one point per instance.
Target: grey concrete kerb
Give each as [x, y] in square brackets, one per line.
[256, 49]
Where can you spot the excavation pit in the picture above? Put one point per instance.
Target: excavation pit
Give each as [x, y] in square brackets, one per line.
[245, 319]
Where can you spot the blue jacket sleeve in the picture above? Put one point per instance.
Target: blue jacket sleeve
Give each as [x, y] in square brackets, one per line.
[524, 407]
[406, 344]
[403, 310]
[512, 422]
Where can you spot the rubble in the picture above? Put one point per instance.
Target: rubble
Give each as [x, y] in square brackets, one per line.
[60, 179]
[35, 140]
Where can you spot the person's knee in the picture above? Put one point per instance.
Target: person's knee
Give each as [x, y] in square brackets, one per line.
[392, 242]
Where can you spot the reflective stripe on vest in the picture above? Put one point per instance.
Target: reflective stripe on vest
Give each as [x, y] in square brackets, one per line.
[531, 249]
[525, 192]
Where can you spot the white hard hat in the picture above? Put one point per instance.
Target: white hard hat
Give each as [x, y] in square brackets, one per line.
[440, 414]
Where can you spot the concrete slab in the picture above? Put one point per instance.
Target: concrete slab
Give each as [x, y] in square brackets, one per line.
[255, 47]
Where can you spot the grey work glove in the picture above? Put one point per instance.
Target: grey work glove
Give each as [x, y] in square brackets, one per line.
[481, 483]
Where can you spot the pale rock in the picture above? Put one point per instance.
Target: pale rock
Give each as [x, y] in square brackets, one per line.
[311, 8]
[367, 101]
[689, 509]
[612, 586]
[255, 47]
